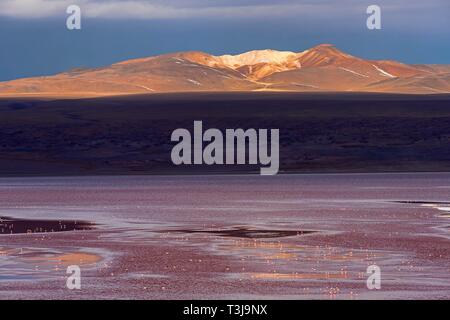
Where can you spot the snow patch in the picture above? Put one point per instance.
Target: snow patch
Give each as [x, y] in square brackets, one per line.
[194, 82]
[354, 72]
[384, 73]
[145, 87]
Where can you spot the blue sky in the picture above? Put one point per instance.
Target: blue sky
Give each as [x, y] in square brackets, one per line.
[34, 39]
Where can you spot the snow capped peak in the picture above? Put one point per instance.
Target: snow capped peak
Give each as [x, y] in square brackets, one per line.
[256, 56]
[287, 58]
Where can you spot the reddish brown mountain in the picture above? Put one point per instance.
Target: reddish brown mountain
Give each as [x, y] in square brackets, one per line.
[322, 68]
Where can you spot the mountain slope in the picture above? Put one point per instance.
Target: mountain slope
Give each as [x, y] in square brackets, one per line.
[321, 68]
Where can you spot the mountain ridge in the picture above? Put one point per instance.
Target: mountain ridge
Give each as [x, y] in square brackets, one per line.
[320, 68]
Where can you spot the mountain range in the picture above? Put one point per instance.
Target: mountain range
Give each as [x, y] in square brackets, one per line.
[321, 68]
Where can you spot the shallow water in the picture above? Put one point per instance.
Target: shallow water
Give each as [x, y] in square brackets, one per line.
[289, 236]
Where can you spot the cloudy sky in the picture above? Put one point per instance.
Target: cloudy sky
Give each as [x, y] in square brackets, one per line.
[35, 41]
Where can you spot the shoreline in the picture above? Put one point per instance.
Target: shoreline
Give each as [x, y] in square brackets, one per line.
[222, 174]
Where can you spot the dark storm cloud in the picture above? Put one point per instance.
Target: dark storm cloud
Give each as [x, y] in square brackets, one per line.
[148, 9]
